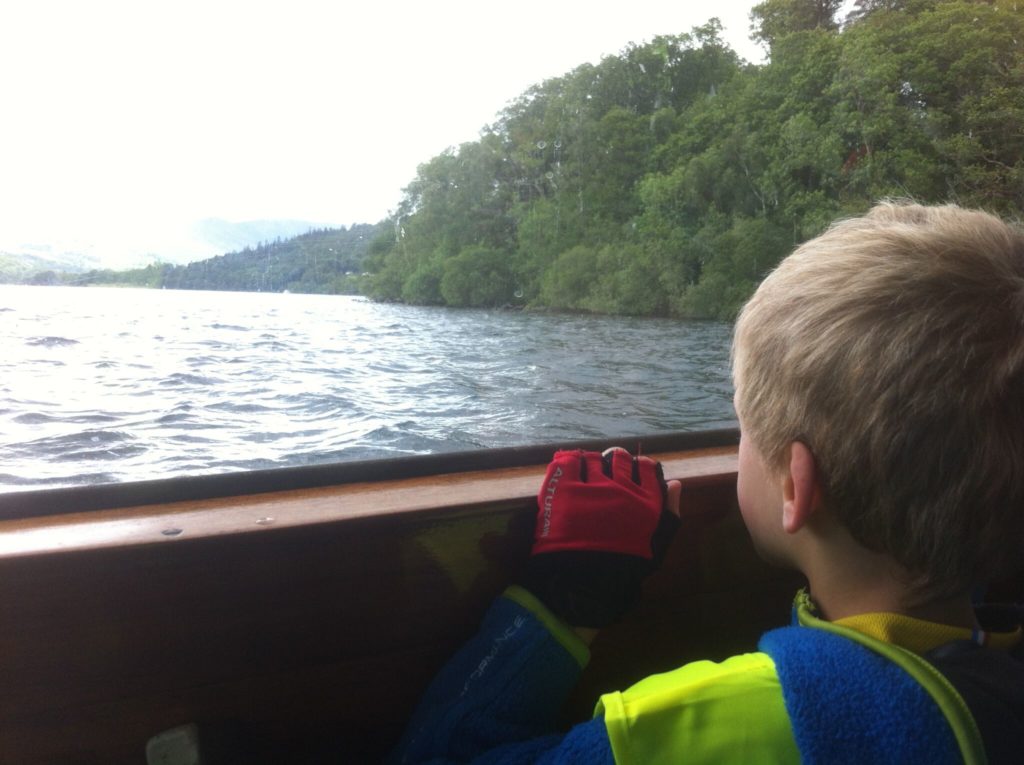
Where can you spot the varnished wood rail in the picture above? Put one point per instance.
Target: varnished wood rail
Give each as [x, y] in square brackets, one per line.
[431, 496]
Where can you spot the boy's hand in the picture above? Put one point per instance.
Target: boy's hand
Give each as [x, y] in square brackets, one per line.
[603, 523]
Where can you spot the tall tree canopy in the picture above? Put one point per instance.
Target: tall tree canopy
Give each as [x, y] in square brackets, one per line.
[669, 179]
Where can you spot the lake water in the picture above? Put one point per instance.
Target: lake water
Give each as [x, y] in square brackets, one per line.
[105, 385]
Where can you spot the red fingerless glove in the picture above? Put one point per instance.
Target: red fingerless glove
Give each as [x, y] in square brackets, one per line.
[602, 526]
[609, 503]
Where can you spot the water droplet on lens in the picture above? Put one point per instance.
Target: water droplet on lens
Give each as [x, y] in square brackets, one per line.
[542, 144]
[171, 532]
[549, 175]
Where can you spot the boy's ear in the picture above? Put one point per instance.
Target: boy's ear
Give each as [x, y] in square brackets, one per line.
[801, 488]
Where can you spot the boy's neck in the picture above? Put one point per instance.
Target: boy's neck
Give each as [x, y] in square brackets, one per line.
[843, 602]
[847, 580]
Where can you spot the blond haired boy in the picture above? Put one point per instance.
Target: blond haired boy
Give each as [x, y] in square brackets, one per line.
[879, 375]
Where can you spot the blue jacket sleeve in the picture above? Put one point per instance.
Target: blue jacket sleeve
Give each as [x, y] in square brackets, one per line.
[497, 700]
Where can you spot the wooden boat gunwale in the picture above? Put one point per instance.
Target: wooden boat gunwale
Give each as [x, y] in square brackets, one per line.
[58, 501]
[433, 487]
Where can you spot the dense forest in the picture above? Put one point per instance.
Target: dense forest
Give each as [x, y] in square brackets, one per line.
[667, 180]
[320, 261]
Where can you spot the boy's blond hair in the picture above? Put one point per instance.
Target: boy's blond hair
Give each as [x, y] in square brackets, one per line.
[893, 347]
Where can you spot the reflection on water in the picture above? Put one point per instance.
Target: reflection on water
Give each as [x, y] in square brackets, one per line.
[113, 385]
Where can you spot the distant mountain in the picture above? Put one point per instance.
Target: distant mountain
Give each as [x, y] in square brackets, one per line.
[319, 261]
[19, 267]
[170, 244]
[226, 236]
[324, 260]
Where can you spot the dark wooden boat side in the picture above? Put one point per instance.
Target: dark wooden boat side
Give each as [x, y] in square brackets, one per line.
[320, 613]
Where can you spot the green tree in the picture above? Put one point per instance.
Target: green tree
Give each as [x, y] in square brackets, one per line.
[478, 278]
[568, 282]
[423, 285]
[743, 255]
[772, 20]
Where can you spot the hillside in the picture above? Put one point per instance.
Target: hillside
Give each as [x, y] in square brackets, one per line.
[18, 267]
[320, 261]
[126, 247]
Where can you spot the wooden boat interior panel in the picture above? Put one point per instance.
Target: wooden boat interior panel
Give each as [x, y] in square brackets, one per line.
[325, 623]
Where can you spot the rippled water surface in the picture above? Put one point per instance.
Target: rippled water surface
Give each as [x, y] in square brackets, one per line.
[103, 385]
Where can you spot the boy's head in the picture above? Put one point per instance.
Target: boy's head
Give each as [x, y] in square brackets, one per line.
[892, 346]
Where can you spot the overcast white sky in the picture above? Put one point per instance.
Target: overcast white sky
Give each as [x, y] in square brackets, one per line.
[122, 120]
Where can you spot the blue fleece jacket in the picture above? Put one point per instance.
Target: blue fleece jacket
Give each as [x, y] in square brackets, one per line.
[498, 701]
